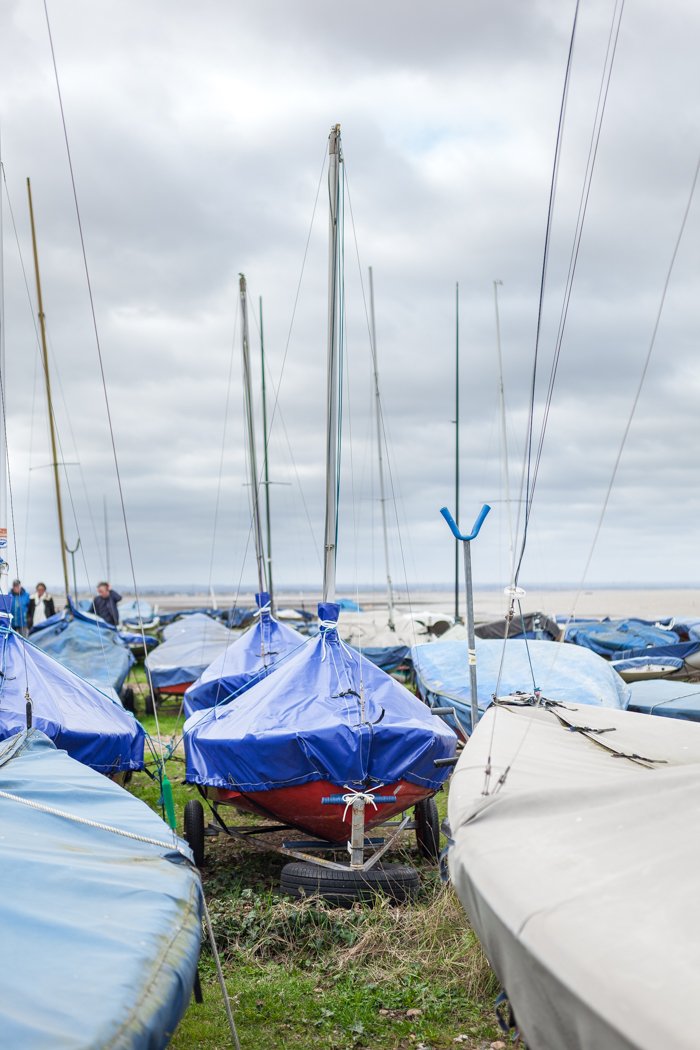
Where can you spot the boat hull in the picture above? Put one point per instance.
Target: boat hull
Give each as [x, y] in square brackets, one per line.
[302, 807]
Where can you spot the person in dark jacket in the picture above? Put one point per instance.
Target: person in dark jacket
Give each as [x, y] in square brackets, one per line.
[41, 606]
[18, 608]
[104, 603]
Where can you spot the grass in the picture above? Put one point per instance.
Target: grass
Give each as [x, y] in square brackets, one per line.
[306, 976]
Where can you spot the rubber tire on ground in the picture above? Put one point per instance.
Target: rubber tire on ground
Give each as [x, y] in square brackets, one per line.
[428, 828]
[129, 699]
[194, 829]
[399, 882]
[150, 701]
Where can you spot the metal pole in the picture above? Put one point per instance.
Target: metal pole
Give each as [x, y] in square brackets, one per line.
[266, 463]
[457, 616]
[330, 540]
[378, 410]
[252, 458]
[47, 380]
[471, 638]
[72, 552]
[504, 435]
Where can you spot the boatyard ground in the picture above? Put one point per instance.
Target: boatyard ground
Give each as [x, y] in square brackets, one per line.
[304, 975]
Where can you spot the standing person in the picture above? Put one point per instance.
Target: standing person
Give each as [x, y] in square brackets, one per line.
[19, 606]
[104, 603]
[41, 606]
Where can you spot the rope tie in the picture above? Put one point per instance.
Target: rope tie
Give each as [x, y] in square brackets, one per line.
[351, 797]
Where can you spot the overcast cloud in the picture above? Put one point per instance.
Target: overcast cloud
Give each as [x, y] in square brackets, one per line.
[198, 134]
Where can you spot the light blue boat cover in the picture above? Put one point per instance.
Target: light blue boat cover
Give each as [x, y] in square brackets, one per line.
[190, 646]
[640, 662]
[616, 636]
[388, 657]
[561, 672]
[680, 650]
[659, 696]
[100, 933]
[86, 723]
[88, 646]
[307, 722]
[248, 658]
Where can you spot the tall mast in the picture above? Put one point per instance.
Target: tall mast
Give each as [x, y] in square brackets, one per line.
[47, 380]
[457, 616]
[504, 436]
[266, 471]
[333, 390]
[252, 458]
[378, 411]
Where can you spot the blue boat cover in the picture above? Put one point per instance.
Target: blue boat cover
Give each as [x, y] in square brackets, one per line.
[190, 646]
[638, 663]
[659, 696]
[246, 660]
[615, 636]
[325, 714]
[681, 650]
[561, 672]
[89, 647]
[90, 726]
[100, 932]
[388, 657]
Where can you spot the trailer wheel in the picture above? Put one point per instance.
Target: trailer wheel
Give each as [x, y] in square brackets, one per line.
[194, 829]
[399, 882]
[129, 699]
[150, 700]
[428, 828]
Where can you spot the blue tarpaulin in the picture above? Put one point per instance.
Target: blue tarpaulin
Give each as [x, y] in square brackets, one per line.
[561, 672]
[246, 660]
[100, 932]
[388, 657]
[87, 645]
[663, 697]
[79, 718]
[325, 714]
[680, 650]
[616, 636]
[189, 647]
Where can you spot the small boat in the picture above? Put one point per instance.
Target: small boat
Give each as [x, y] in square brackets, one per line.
[672, 699]
[138, 614]
[643, 668]
[575, 861]
[560, 673]
[88, 723]
[613, 637]
[100, 908]
[89, 646]
[328, 744]
[189, 646]
[250, 657]
[328, 723]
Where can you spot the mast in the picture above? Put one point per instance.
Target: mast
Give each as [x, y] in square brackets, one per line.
[457, 616]
[266, 471]
[504, 436]
[333, 389]
[252, 458]
[378, 411]
[47, 381]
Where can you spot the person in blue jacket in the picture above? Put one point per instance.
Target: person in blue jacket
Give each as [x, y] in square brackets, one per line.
[19, 606]
[105, 603]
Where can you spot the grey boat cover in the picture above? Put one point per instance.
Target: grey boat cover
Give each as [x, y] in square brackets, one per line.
[580, 874]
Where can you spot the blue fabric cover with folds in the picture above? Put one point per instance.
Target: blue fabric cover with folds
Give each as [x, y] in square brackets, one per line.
[660, 696]
[562, 672]
[616, 636]
[90, 726]
[189, 646]
[87, 645]
[100, 933]
[248, 658]
[325, 714]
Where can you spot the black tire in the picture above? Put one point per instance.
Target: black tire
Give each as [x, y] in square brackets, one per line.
[399, 882]
[150, 702]
[129, 699]
[194, 829]
[428, 828]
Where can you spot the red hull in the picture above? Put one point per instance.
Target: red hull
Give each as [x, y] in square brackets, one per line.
[181, 687]
[301, 806]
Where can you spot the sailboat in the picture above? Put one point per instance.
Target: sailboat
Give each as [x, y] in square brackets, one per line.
[329, 743]
[37, 690]
[259, 650]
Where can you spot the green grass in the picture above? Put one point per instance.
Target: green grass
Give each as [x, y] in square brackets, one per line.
[305, 976]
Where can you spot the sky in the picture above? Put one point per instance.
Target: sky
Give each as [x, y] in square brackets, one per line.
[198, 138]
